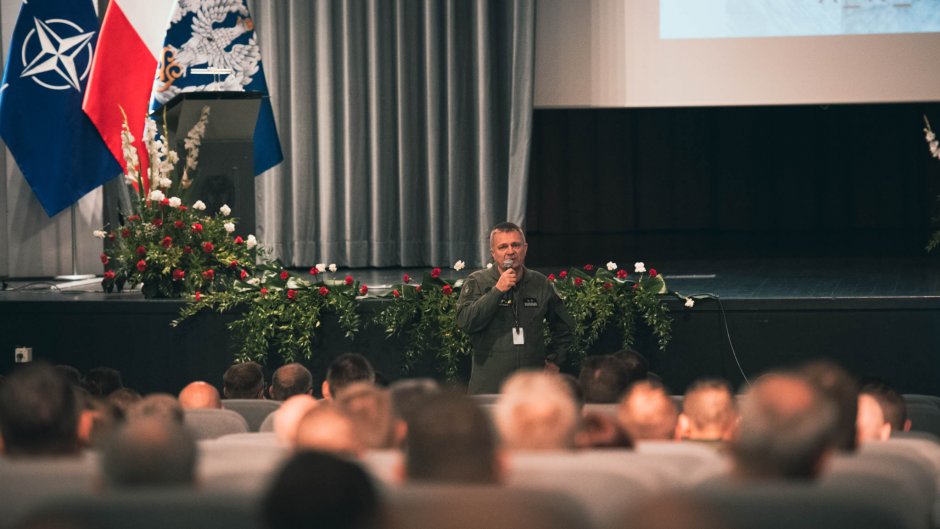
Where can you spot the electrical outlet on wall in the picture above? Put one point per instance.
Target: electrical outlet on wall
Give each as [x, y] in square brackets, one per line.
[23, 355]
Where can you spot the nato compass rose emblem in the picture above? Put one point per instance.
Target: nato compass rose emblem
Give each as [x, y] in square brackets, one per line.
[54, 52]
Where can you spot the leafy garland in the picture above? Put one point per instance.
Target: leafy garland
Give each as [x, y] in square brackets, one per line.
[934, 146]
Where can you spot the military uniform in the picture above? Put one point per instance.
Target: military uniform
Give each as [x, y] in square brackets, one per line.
[489, 316]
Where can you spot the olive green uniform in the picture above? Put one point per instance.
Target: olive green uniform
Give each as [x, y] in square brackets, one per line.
[488, 316]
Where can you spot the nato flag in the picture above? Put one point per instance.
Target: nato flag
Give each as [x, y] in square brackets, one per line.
[54, 143]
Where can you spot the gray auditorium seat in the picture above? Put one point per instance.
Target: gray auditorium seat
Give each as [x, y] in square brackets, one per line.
[267, 425]
[255, 411]
[925, 417]
[27, 483]
[238, 467]
[484, 399]
[914, 398]
[609, 410]
[481, 507]
[209, 424]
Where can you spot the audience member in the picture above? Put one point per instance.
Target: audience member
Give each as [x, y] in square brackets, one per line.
[243, 381]
[38, 412]
[598, 430]
[287, 418]
[371, 410]
[148, 452]
[328, 428]
[200, 396]
[161, 406]
[122, 400]
[647, 412]
[871, 424]
[407, 394]
[97, 419]
[577, 393]
[451, 440]
[535, 411]
[319, 490]
[892, 404]
[842, 389]
[785, 431]
[709, 412]
[637, 365]
[604, 379]
[346, 369]
[101, 381]
[72, 374]
[289, 380]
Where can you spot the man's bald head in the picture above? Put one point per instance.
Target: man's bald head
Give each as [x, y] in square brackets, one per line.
[200, 395]
[327, 428]
[647, 412]
[149, 451]
[289, 380]
[536, 411]
[287, 418]
[708, 411]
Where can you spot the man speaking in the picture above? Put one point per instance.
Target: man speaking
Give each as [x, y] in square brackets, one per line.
[504, 309]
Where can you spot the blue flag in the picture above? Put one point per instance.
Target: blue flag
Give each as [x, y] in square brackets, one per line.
[218, 35]
[56, 146]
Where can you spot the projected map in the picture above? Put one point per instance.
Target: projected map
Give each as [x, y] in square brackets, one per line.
[698, 19]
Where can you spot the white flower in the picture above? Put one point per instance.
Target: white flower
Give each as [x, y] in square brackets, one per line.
[175, 202]
[639, 267]
[254, 281]
[130, 178]
[157, 195]
[611, 266]
[489, 265]
[930, 135]
[165, 183]
[251, 242]
[459, 265]
[332, 267]
[229, 227]
[199, 205]
[225, 210]
[99, 233]
[689, 302]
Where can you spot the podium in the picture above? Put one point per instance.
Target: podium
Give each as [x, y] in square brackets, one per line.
[225, 173]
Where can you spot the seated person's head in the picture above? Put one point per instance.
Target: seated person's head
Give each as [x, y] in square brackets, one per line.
[574, 385]
[315, 489]
[149, 452]
[122, 399]
[200, 396]
[892, 404]
[535, 411]
[370, 408]
[101, 381]
[407, 394]
[647, 412]
[289, 380]
[71, 373]
[287, 418]
[604, 379]
[161, 406]
[451, 440]
[599, 430]
[346, 369]
[871, 424]
[709, 411]
[842, 390]
[327, 428]
[637, 365]
[97, 419]
[243, 381]
[785, 431]
[38, 412]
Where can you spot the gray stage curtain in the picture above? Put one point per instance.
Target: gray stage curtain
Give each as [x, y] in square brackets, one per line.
[405, 126]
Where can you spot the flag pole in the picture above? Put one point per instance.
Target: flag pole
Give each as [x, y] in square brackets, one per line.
[74, 276]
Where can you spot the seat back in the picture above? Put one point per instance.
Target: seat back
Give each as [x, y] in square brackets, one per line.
[267, 425]
[210, 424]
[255, 411]
[925, 417]
[28, 483]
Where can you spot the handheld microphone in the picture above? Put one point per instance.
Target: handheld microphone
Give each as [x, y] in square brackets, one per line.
[507, 295]
[507, 263]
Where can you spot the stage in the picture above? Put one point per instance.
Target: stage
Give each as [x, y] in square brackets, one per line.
[877, 317]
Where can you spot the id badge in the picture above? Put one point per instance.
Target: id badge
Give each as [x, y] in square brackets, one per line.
[518, 337]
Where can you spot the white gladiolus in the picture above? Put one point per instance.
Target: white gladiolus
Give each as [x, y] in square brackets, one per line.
[611, 266]
[225, 210]
[175, 202]
[99, 233]
[199, 205]
[639, 267]
[459, 265]
[332, 267]
[689, 302]
[229, 227]
[321, 267]
[251, 242]
[157, 195]
[165, 183]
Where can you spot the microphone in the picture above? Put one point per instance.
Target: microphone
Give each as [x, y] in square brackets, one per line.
[507, 295]
[507, 263]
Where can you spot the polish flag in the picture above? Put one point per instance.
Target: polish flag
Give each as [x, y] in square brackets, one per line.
[122, 73]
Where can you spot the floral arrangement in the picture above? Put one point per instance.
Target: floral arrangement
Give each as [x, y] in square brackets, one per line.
[169, 248]
[281, 312]
[934, 146]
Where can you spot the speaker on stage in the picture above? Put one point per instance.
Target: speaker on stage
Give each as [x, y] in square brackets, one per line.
[225, 174]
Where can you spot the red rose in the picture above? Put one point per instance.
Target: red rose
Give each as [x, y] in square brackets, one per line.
[198, 295]
[105, 259]
[447, 290]
[111, 236]
[588, 267]
[208, 275]
[133, 218]
[563, 274]
[233, 264]
[622, 274]
[363, 290]
[182, 208]
[141, 250]
[551, 277]
[243, 275]
[636, 286]
[125, 233]
[109, 275]
[197, 228]
[324, 291]
[157, 221]
[187, 250]
[436, 273]
[165, 202]
[178, 275]
[653, 272]
[291, 293]
[284, 275]
[418, 288]
[406, 278]
[349, 280]
[396, 293]
[264, 291]
[314, 271]
[239, 240]
[608, 286]
[179, 224]
[208, 247]
[142, 265]
[166, 242]
[578, 281]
